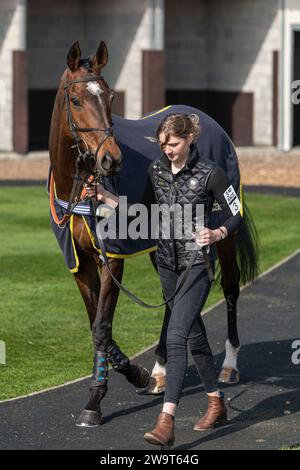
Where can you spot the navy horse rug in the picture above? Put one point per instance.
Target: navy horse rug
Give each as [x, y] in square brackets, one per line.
[138, 152]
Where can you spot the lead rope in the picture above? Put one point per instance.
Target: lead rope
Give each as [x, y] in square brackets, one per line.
[129, 294]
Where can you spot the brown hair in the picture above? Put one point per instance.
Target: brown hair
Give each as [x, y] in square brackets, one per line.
[179, 125]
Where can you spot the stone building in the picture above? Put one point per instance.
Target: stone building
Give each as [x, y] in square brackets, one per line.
[234, 59]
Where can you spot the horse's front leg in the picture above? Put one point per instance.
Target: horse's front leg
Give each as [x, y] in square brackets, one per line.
[102, 328]
[106, 350]
[102, 337]
[226, 250]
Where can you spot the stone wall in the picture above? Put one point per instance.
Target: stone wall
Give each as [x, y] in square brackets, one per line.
[225, 46]
[53, 26]
[11, 38]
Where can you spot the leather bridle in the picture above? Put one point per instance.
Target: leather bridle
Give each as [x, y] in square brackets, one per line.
[108, 131]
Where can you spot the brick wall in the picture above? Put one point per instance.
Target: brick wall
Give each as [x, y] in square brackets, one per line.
[186, 44]
[243, 36]
[225, 45]
[222, 45]
[54, 25]
[11, 38]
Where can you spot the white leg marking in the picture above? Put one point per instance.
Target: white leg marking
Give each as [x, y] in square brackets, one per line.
[158, 369]
[230, 361]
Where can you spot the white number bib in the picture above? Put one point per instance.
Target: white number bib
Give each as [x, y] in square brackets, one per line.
[232, 200]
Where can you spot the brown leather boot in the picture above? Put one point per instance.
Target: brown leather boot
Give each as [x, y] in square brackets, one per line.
[215, 415]
[163, 433]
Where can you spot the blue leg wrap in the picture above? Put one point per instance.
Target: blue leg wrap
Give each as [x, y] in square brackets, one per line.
[100, 371]
[116, 357]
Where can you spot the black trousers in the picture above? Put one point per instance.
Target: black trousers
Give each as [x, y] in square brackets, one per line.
[186, 325]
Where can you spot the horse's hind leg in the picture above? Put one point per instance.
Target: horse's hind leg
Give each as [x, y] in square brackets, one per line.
[226, 250]
[157, 383]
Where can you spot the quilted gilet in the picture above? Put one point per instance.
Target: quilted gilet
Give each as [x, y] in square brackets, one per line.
[188, 186]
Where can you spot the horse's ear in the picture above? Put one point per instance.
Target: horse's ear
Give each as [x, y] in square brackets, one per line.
[74, 56]
[100, 59]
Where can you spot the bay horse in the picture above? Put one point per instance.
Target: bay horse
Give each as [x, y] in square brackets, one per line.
[82, 143]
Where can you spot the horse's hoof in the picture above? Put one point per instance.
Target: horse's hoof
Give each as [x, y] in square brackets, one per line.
[138, 376]
[229, 376]
[157, 385]
[89, 419]
[144, 378]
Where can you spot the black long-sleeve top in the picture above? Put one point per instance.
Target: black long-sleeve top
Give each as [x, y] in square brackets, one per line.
[217, 185]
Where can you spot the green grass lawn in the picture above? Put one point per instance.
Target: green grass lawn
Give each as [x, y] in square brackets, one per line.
[42, 318]
[296, 447]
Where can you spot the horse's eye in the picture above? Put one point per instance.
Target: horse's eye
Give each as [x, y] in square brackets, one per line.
[75, 101]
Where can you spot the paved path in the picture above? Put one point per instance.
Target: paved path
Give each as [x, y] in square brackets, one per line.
[264, 409]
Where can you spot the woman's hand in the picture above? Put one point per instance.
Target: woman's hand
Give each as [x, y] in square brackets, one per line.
[95, 190]
[101, 194]
[207, 236]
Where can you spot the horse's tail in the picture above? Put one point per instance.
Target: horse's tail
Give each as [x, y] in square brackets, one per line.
[247, 242]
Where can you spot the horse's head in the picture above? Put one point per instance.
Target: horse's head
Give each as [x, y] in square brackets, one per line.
[88, 101]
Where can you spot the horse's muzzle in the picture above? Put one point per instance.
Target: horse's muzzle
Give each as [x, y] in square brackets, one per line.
[110, 165]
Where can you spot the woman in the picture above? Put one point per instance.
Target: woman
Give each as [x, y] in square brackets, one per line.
[180, 176]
